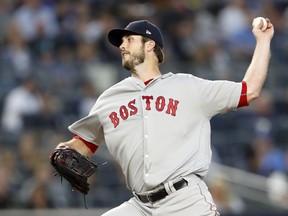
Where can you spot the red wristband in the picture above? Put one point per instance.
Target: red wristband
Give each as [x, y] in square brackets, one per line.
[90, 145]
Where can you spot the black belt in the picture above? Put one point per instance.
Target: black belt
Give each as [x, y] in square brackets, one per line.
[161, 194]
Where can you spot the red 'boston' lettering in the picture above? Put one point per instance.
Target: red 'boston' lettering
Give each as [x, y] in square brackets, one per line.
[134, 109]
[172, 107]
[148, 101]
[126, 111]
[123, 112]
[114, 119]
[160, 103]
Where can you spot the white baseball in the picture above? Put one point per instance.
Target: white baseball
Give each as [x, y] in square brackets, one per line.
[257, 21]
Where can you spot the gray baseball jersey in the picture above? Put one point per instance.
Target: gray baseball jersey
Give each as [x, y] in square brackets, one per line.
[158, 131]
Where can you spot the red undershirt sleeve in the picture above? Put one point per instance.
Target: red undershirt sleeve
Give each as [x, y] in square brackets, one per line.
[243, 98]
[90, 145]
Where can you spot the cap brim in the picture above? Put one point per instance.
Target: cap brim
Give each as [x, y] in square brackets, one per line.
[115, 36]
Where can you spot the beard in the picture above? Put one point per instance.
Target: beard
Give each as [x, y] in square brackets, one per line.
[134, 60]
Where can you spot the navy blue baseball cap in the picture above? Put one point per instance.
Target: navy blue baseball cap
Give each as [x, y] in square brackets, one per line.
[140, 27]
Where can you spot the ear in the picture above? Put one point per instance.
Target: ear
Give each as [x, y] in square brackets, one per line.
[150, 45]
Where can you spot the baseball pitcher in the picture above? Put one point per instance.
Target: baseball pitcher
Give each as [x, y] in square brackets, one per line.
[157, 125]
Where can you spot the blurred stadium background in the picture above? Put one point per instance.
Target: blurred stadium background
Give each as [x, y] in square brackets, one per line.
[55, 61]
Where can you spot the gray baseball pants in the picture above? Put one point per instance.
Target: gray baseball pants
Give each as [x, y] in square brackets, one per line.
[194, 200]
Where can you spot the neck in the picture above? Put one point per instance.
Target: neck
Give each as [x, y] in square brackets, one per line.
[145, 72]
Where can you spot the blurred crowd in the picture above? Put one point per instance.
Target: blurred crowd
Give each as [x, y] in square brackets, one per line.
[55, 60]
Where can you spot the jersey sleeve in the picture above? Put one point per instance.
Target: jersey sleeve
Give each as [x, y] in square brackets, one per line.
[89, 128]
[219, 96]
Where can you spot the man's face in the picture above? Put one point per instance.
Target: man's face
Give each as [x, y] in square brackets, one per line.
[132, 51]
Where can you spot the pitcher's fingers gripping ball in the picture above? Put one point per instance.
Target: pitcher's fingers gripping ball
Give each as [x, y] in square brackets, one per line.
[74, 167]
[261, 22]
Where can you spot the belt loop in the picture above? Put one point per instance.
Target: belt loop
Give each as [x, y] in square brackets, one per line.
[171, 186]
[168, 187]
